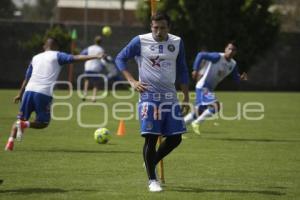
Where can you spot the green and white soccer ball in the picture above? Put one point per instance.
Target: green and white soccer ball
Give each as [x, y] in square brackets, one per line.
[102, 135]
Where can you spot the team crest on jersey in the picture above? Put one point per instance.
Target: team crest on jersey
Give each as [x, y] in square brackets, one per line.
[149, 125]
[171, 47]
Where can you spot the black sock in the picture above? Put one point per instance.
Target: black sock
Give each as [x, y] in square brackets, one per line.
[167, 146]
[149, 153]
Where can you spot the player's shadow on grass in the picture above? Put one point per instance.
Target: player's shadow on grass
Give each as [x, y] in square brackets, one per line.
[249, 140]
[200, 190]
[82, 151]
[24, 191]
[34, 191]
[214, 132]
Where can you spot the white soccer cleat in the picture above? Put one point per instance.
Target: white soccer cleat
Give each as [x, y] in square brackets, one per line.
[154, 186]
[19, 130]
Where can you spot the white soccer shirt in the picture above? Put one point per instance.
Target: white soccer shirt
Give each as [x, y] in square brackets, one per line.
[215, 70]
[159, 63]
[93, 65]
[44, 70]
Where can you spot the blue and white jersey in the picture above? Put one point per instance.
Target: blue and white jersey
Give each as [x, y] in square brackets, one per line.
[95, 64]
[110, 67]
[215, 70]
[44, 70]
[159, 64]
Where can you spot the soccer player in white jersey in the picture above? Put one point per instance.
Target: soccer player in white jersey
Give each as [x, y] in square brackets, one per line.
[38, 84]
[92, 67]
[216, 68]
[113, 74]
[160, 56]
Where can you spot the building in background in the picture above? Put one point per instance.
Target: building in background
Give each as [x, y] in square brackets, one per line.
[113, 12]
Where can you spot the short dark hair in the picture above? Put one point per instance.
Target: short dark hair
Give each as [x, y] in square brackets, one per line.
[54, 41]
[233, 42]
[98, 39]
[161, 16]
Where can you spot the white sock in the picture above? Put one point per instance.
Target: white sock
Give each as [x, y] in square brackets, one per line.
[189, 118]
[206, 113]
[10, 139]
[27, 124]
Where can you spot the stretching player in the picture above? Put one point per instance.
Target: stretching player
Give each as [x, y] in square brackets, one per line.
[216, 68]
[40, 77]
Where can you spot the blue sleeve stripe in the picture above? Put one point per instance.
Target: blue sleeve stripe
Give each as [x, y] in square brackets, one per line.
[28, 72]
[181, 66]
[132, 49]
[84, 52]
[64, 58]
[213, 57]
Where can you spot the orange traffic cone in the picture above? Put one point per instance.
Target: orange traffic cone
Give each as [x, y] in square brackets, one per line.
[121, 129]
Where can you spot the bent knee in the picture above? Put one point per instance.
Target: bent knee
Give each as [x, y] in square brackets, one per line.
[175, 140]
[44, 125]
[215, 107]
[40, 125]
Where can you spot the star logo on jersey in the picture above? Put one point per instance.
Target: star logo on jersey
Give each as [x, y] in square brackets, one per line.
[171, 47]
[156, 61]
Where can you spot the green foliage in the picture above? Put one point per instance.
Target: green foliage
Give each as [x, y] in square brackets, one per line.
[62, 36]
[7, 9]
[212, 23]
[43, 10]
[143, 12]
[36, 42]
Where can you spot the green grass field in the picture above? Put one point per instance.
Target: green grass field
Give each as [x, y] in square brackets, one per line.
[232, 159]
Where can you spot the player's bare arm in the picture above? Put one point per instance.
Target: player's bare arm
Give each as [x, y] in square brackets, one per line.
[244, 76]
[137, 85]
[18, 98]
[80, 58]
[185, 106]
[195, 74]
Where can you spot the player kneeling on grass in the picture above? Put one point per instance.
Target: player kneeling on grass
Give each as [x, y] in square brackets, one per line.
[40, 76]
[215, 69]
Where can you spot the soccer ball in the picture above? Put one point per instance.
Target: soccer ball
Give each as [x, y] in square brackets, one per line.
[102, 135]
[106, 31]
